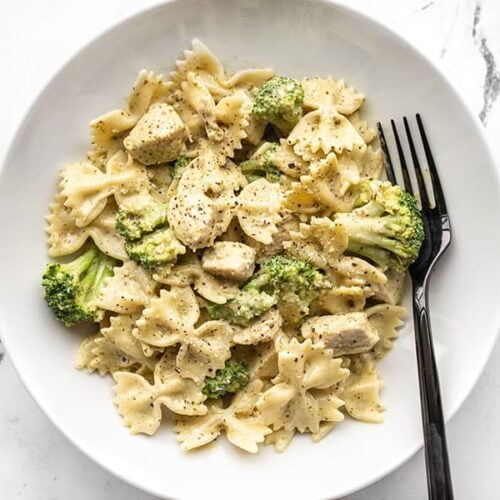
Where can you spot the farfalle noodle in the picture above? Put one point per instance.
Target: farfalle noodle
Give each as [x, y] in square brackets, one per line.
[140, 403]
[170, 320]
[364, 130]
[327, 92]
[113, 349]
[323, 131]
[264, 329]
[106, 129]
[95, 353]
[291, 403]
[65, 237]
[86, 188]
[361, 394]
[128, 290]
[386, 319]
[259, 210]
[321, 242]
[242, 430]
[326, 186]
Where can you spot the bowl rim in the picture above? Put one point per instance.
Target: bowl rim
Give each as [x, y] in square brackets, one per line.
[363, 17]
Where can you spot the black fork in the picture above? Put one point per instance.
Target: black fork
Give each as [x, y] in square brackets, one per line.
[437, 239]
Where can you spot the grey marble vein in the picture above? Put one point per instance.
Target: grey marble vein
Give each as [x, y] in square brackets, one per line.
[427, 5]
[491, 86]
[477, 16]
[2, 352]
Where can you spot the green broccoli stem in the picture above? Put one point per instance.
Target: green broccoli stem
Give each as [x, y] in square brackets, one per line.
[368, 231]
[252, 170]
[377, 255]
[257, 282]
[255, 169]
[93, 280]
[82, 263]
[89, 279]
[283, 126]
[179, 164]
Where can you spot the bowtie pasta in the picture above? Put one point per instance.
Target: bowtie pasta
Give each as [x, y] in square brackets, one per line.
[230, 238]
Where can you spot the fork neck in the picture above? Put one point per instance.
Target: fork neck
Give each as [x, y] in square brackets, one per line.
[419, 284]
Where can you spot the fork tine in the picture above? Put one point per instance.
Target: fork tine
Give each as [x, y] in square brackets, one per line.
[389, 169]
[402, 160]
[436, 183]
[424, 199]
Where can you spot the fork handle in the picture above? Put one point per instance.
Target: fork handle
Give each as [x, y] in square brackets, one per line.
[436, 452]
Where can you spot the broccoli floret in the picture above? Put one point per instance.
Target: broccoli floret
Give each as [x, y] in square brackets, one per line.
[262, 165]
[388, 229]
[242, 309]
[228, 380]
[179, 163]
[71, 289]
[279, 101]
[156, 251]
[362, 193]
[134, 222]
[280, 279]
[283, 276]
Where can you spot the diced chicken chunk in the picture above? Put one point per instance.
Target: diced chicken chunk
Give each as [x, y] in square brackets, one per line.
[193, 217]
[158, 136]
[349, 333]
[229, 259]
[390, 292]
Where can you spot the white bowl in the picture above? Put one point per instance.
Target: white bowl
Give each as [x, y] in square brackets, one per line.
[297, 38]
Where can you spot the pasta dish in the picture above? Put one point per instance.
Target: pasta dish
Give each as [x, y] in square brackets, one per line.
[231, 240]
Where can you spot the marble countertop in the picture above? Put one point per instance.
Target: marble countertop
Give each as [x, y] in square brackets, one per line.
[36, 37]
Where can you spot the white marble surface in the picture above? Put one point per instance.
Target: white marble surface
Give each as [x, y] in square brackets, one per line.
[36, 37]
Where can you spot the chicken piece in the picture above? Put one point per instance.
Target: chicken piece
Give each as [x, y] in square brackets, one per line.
[194, 218]
[390, 292]
[349, 333]
[229, 259]
[158, 136]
